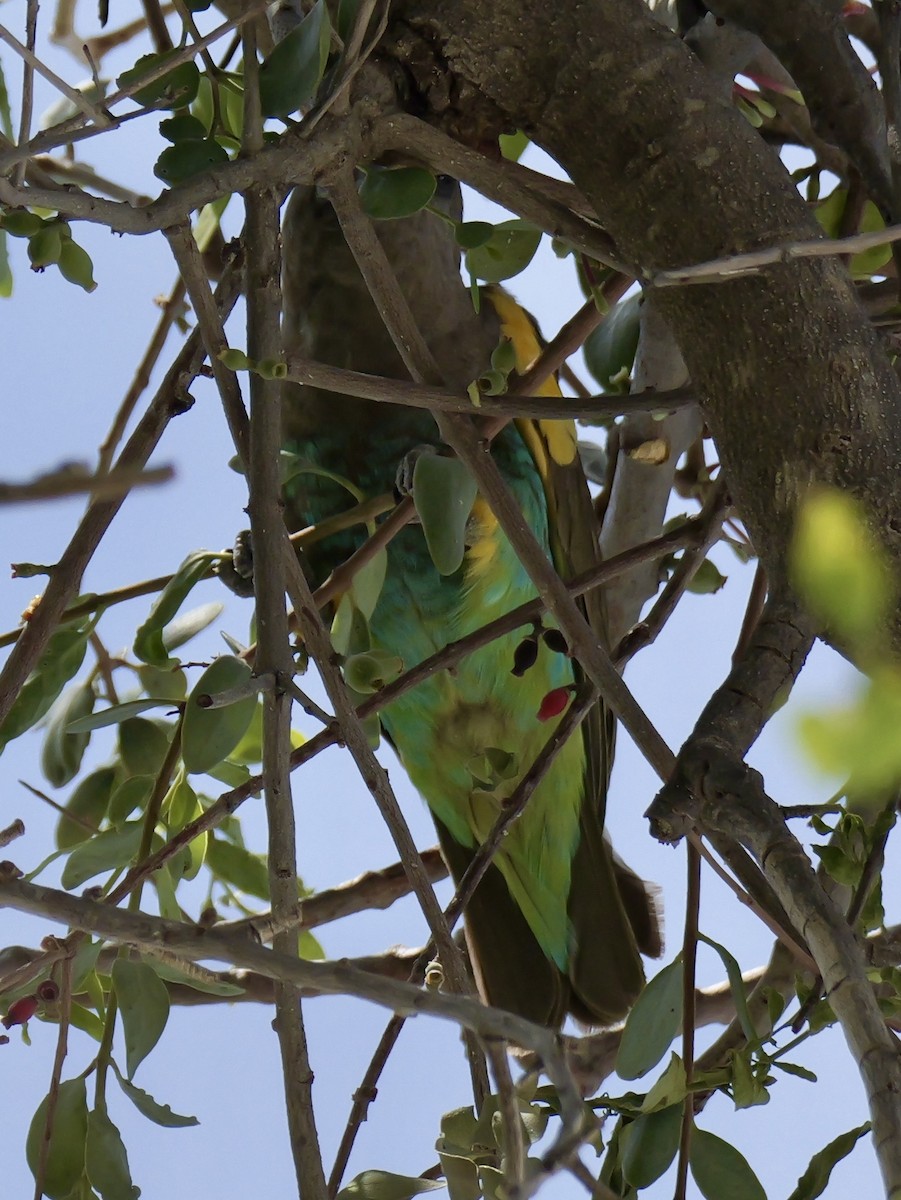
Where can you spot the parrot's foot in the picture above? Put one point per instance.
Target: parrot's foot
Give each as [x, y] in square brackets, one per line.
[236, 569]
[403, 480]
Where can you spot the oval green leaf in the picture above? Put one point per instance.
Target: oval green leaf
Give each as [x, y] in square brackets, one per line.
[444, 493]
[149, 645]
[106, 1160]
[508, 251]
[65, 1159]
[210, 734]
[610, 349]
[187, 159]
[238, 867]
[142, 745]
[63, 749]
[720, 1170]
[388, 193]
[652, 1024]
[384, 1185]
[649, 1145]
[291, 74]
[89, 802]
[144, 1006]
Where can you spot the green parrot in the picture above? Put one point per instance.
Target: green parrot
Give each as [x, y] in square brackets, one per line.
[557, 925]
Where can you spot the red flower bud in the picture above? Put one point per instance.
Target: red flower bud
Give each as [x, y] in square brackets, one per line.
[553, 703]
[48, 991]
[20, 1011]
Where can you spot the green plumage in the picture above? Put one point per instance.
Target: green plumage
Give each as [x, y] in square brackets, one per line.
[556, 926]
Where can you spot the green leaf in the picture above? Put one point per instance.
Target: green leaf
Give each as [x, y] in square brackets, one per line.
[444, 492]
[610, 349]
[114, 714]
[149, 644]
[90, 801]
[63, 749]
[144, 1005]
[384, 1185]
[160, 1114]
[669, 1089]
[392, 192]
[860, 740]
[60, 661]
[65, 1159]
[748, 1081]
[184, 160]
[87, 1021]
[46, 246]
[839, 569]
[649, 1145]
[131, 794]
[21, 222]
[239, 867]
[513, 145]
[508, 251]
[368, 583]
[176, 89]
[210, 734]
[212, 987]
[6, 275]
[106, 1160]
[737, 986]
[106, 851]
[183, 128]
[815, 1179]
[794, 1069]
[142, 746]
[470, 234]
[291, 74]
[707, 580]
[183, 628]
[163, 683]
[720, 1170]
[6, 124]
[652, 1024]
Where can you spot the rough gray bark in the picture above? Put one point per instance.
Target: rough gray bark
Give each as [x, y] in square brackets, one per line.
[793, 383]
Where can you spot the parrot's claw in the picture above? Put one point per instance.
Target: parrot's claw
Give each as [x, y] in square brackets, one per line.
[236, 569]
[403, 480]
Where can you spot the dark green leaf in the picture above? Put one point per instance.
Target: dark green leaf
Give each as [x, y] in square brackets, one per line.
[444, 492]
[59, 662]
[63, 749]
[160, 1114]
[610, 349]
[652, 1024]
[149, 645]
[106, 851]
[187, 159]
[238, 867]
[291, 74]
[815, 1179]
[383, 1185]
[470, 234]
[89, 800]
[210, 734]
[183, 128]
[175, 89]
[65, 1159]
[720, 1170]
[649, 1145]
[106, 1160]
[508, 251]
[390, 192]
[144, 1006]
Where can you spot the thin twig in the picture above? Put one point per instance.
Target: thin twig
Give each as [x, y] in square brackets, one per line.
[689, 961]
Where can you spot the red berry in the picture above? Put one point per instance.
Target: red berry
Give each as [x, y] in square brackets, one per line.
[20, 1011]
[553, 704]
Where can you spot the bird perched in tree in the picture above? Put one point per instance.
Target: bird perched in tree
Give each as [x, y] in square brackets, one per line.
[557, 923]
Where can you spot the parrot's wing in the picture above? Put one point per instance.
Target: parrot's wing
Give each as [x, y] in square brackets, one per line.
[612, 911]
